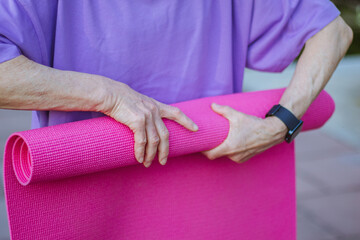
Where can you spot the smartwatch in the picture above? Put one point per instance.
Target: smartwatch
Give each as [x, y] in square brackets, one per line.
[292, 123]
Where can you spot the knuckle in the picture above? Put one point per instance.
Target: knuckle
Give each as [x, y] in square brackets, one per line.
[142, 141]
[162, 111]
[154, 140]
[147, 113]
[152, 107]
[164, 133]
[177, 111]
[140, 118]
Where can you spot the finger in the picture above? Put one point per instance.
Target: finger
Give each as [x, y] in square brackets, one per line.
[163, 147]
[223, 110]
[175, 114]
[237, 157]
[217, 152]
[245, 156]
[140, 139]
[152, 141]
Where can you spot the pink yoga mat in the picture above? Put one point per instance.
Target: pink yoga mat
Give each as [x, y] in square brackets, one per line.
[80, 180]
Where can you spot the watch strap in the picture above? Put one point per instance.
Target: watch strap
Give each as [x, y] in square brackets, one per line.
[284, 115]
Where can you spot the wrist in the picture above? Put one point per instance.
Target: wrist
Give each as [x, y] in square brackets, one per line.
[276, 128]
[292, 123]
[110, 94]
[103, 100]
[296, 103]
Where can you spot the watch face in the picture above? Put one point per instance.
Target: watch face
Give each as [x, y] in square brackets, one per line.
[293, 132]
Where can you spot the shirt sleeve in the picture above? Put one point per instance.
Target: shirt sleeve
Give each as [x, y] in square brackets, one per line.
[7, 49]
[280, 28]
[17, 34]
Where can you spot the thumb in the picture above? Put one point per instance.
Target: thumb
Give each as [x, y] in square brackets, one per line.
[222, 110]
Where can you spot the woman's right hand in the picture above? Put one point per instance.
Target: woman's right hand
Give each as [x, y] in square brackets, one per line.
[27, 85]
[143, 115]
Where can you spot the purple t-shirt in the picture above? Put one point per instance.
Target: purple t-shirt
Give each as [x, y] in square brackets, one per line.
[170, 50]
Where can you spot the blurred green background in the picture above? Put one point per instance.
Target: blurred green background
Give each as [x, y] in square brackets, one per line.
[350, 12]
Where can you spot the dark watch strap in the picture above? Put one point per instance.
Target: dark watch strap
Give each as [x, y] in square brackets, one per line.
[285, 115]
[293, 124]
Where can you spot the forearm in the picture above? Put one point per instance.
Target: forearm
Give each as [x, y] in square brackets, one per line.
[27, 85]
[317, 63]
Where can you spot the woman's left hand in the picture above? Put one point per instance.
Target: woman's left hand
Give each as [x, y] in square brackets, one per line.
[248, 135]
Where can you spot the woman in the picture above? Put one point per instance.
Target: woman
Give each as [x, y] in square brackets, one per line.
[73, 60]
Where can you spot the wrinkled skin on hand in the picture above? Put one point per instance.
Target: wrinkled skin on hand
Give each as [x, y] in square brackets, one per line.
[248, 135]
[143, 115]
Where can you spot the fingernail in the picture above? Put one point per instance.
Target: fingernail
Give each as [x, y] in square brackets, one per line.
[215, 105]
[147, 164]
[163, 161]
[195, 127]
[141, 160]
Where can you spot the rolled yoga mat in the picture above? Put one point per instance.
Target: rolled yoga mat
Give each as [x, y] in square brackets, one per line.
[80, 180]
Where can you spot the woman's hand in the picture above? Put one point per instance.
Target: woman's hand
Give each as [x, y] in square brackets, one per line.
[248, 135]
[27, 85]
[143, 115]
